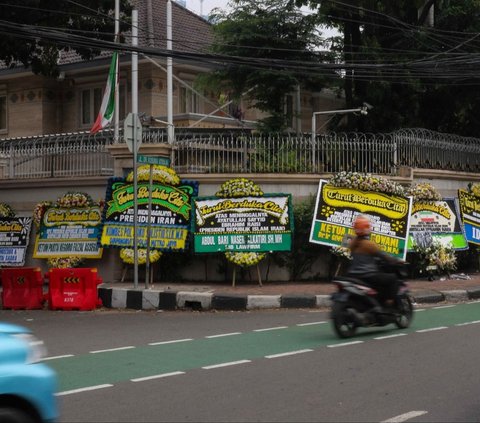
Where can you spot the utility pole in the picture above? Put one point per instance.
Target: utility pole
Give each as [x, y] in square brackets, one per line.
[116, 112]
[135, 145]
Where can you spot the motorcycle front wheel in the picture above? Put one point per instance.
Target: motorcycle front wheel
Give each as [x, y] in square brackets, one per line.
[405, 312]
[343, 320]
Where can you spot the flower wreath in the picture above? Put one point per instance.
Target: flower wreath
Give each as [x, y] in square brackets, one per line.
[367, 182]
[6, 210]
[241, 187]
[161, 174]
[474, 189]
[68, 200]
[424, 192]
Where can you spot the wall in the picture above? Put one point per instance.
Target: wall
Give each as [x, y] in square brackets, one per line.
[24, 195]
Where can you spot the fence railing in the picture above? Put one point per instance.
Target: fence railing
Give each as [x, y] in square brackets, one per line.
[208, 151]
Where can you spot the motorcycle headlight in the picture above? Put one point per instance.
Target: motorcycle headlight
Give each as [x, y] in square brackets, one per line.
[35, 347]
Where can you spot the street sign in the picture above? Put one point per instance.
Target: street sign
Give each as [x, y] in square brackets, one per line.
[132, 127]
[153, 160]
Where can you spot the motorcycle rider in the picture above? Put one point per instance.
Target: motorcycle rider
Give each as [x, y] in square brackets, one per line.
[365, 262]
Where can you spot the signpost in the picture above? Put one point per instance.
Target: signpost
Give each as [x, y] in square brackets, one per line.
[132, 130]
[150, 160]
[153, 160]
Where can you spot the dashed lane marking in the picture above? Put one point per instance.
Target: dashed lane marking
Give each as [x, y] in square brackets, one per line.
[431, 329]
[311, 323]
[57, 357]
[445, 306]
[173, 341]
[275, 328]
[390, 336]
[112, 349]
[87, 388]
[142, 379]
[344, 344]
[404, 417]
[231, 363]
[285, 354]
[468, 323]
[223, 334]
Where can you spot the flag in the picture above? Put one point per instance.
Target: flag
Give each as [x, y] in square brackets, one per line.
[105, 115]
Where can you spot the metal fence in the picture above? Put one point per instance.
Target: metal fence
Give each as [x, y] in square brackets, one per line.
[209, 151]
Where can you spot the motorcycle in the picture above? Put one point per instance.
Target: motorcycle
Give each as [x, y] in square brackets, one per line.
[356, 304]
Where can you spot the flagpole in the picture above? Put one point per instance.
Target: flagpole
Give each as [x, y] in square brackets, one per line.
[117, 39]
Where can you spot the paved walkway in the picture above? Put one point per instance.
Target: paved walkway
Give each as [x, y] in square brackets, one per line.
[201, 296]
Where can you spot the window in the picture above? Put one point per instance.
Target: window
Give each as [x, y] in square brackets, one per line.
[91, 100]
[189, 101]
[3, 113]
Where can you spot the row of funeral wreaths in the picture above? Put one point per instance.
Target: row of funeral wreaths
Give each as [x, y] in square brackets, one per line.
[239, 187]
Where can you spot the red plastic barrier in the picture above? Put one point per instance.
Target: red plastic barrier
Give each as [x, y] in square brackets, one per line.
[22, 288]
[73, 289]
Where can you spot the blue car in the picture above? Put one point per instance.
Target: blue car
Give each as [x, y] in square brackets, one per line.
[27, 387]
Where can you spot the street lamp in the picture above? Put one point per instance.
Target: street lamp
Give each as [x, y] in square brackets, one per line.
[363, 110]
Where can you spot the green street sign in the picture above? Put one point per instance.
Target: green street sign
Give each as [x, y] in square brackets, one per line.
[153, 160]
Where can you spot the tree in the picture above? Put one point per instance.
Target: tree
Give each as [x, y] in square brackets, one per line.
[269, 29]
[413, 73]
[93, 18]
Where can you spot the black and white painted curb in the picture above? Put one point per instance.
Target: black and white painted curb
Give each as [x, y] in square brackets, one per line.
[121, 298]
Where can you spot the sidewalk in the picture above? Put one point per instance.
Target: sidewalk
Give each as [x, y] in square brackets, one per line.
[216, 296]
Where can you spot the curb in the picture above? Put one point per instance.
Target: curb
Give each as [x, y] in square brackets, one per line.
[200, 301]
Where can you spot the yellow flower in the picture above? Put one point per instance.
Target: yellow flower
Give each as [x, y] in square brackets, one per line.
[245, 259]
[127, 255]
[162, 174]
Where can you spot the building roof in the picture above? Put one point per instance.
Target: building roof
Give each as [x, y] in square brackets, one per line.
[190, 32]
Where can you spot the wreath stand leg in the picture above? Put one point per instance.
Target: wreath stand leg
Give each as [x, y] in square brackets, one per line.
[259, 276]
[124, 273]
[233, 276]
[338, 269]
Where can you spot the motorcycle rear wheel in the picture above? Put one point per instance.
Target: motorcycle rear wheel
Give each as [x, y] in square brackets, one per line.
[405, 315]
[343, 320]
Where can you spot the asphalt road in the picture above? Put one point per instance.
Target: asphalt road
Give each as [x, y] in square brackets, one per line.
[283, 365]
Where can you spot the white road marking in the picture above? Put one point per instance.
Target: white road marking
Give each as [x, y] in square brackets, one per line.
[174, 341]
[390, 336]
[288, 353]
[224, 334]
[432, 329]
[419, 309]
[468, 323]
[404, 417]
[344, 344]
[57, 356]
[142, 379]
[231, 363]
[312, 323]
[276, 328]
[445, 306]
[112, 349]
[88, 388]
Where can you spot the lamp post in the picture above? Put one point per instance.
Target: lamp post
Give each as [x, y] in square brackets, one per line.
[363, 111]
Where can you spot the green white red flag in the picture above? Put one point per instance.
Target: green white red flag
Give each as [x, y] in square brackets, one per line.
[105, 115]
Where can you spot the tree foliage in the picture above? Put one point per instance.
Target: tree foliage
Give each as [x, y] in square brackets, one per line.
[92, 18]
[399, 34]
[272, 29]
